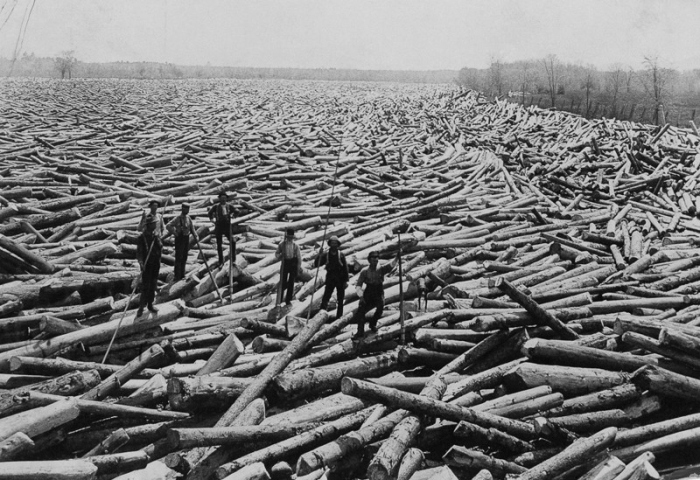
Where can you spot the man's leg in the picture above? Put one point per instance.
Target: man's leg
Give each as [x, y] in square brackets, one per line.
[379, 302]
[326, 295]
[359, 317]
[219, 247]
[292, 278]
[340, 295]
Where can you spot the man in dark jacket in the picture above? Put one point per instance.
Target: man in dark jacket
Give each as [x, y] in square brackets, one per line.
[148, 252]
[290, 255]
[336, 274]
[181, 227]
[221, 214]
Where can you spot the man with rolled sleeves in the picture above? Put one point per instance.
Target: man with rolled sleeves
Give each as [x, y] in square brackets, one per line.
[336, 274]
[153, 207]
[221, 214]
[148, 252]
[181, 227]
[372, 295]
[290, 255]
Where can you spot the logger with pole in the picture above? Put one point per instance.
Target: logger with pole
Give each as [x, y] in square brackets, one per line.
[336, 274]
[148, 253]
[289, 253]
[180, 227]
[221, 214]
[372, 295]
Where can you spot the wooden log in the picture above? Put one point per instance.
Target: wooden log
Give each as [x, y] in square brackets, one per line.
[50, 470]
[313, 437]
[567, 353]
[426, 406]
[39, 420]
[303, 382]
[575, 454]
[204, 392]
[254, 471]
[410, 463]
[206, 437]
[465, 458]
[666, 383]
[330, 454]
[224, 356]
[567, 380]
[110, 384]
[544, 317]
[30, 257]
[14, 446]
[299, 343]
[106, 409]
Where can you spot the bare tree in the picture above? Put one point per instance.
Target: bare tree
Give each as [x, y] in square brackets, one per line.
[657, 82]
[590, 83]
[65, 64]
[615, 79]
[551, 68]
[497, 78]
[526, 78]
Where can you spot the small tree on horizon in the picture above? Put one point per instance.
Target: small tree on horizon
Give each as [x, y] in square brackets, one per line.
[656, 81]
[551, 68]
[65, 64]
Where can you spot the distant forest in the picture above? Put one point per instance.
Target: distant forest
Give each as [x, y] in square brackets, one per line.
[68, 66]
[653, 94]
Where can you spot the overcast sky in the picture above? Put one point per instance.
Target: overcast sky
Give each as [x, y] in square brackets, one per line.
[364, 34]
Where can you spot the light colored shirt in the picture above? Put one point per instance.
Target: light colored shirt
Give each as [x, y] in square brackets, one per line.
[180, 225]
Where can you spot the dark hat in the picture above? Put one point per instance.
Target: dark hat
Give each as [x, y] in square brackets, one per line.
[222, 193]
[373, 253]
[335, 239]
[185, 205]
[290, 232]
[157, 202]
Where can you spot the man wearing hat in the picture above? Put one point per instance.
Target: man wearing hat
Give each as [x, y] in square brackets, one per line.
[153, 206]
[148, 252]
[336, 274]
[221, 214]
[290, 254]
[180, 227]
[372, 296]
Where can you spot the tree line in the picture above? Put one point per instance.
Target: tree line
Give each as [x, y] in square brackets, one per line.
[66, 65]
[661, 93]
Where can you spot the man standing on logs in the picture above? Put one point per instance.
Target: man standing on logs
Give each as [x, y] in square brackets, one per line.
[221, 214]
[372, 296]
[180, 227]
[336, 274]
[290, 254]
[148, 251]
[153, 205]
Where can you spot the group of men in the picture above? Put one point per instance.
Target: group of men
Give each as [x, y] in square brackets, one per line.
[149, 246]
[370, 281]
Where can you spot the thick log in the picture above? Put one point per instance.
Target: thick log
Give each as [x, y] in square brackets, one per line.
[426, 406]
[39, 420]
[224, 356]
[113, 382]
[50, 470]
[575, 454]
[41, 264]
[567, 380]
[462, 457]
[286, 447]
[14, 446]
[205, 392]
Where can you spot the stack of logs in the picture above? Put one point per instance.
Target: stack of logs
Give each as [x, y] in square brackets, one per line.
[544, 326]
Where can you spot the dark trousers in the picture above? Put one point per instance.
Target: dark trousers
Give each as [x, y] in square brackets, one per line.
[182, 246]
[221, 231]
[149, 282]
[289, 276]
[340, 294]
[371, 299]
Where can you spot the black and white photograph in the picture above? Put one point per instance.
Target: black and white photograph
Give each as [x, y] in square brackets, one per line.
[349, 240]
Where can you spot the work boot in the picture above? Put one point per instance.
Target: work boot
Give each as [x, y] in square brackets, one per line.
[139, 312]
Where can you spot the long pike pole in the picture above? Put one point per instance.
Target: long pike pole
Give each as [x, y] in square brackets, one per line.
[401, 314]
[204, 259]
